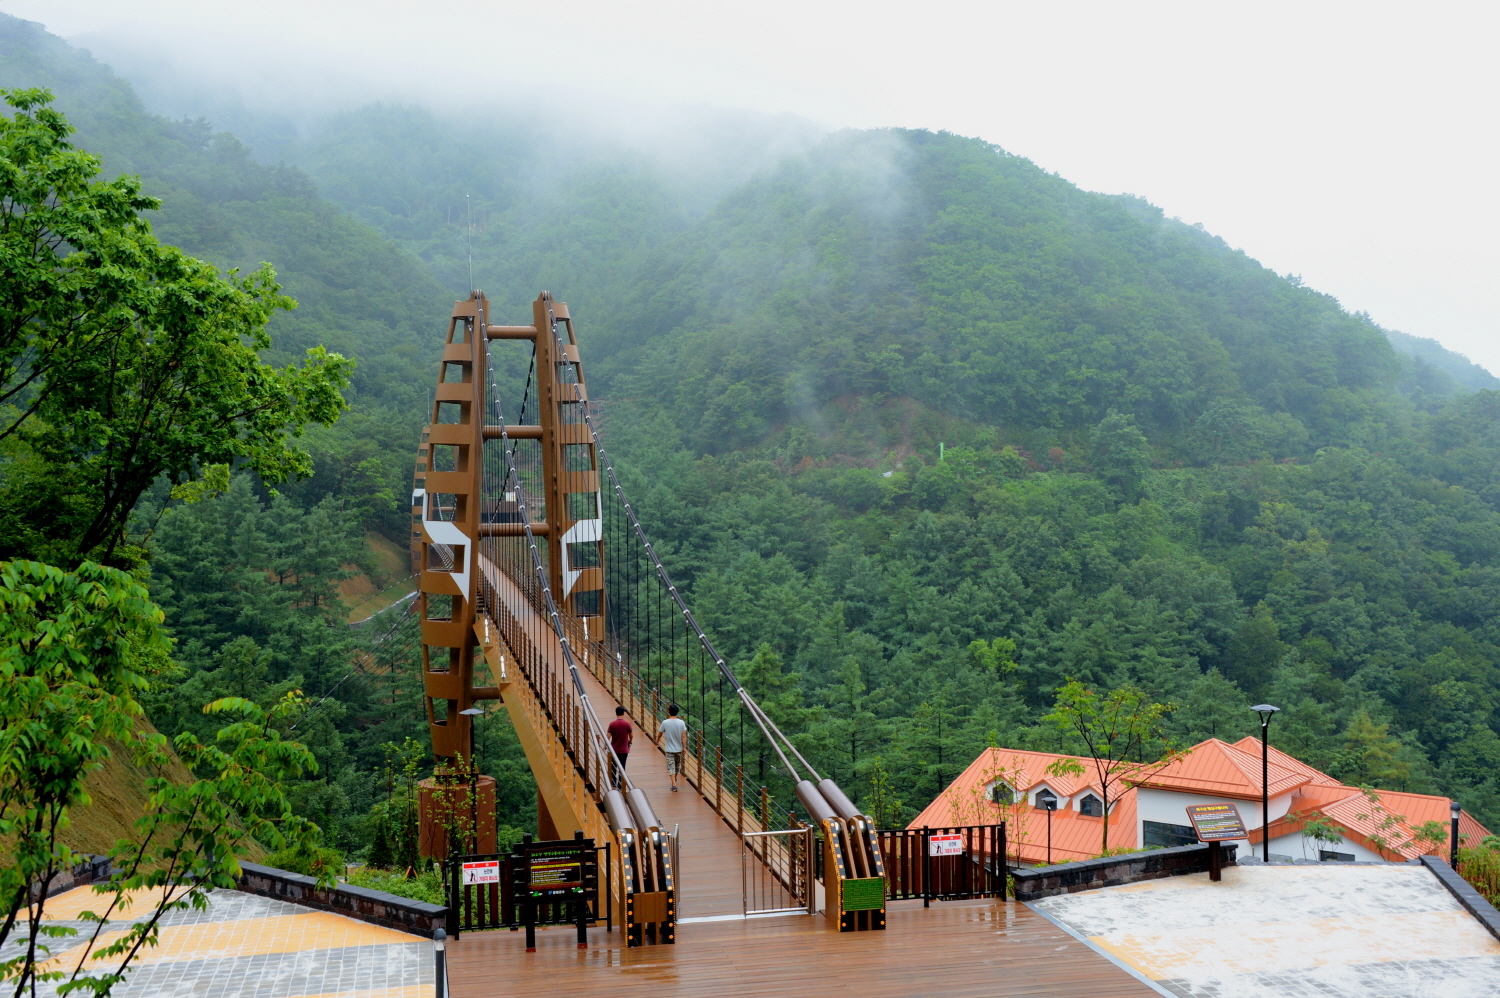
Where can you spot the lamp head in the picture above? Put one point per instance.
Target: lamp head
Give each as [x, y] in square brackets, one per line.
[439, 939]
[472, 711]
[1265, 711]
[1453, 806]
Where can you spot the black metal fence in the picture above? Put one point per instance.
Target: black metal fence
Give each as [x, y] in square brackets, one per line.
[970, 862]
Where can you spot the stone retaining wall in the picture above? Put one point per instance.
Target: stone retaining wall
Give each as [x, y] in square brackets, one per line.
[377, 907]
[1129, 868]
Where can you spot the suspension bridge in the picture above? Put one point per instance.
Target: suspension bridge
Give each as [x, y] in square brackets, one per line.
[540, 591]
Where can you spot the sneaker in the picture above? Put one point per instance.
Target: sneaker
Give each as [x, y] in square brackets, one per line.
[674, 790]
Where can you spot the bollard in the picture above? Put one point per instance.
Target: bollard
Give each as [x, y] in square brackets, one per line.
[439, 944]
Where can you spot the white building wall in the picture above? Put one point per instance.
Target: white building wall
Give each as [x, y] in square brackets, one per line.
[1170, 806]
[1294, 846]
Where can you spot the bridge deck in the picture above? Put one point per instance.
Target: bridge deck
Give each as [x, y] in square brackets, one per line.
[708, 850]
[981, 948]
[709, 879]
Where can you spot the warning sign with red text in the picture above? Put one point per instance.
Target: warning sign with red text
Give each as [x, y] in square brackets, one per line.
[485, 871]
[945, 845]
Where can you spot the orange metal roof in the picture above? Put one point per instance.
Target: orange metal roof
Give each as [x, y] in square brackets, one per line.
[1218, 769]
[1251, 745]
[1074, 836]
[1213, 768]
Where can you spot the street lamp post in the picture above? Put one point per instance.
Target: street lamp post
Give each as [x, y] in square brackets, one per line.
[1453, 843]
[471, 713]
[1049, 801]
[1265, 711]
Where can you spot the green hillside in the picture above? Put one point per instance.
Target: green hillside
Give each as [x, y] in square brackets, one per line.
[924, 429]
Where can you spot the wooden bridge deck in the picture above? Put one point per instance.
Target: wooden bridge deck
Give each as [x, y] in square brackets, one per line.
[981, 948]
[708, 849]
[709, 878]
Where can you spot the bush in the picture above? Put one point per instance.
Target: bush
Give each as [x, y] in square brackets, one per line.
[425, 886]
[1481, 867]
[309, 863]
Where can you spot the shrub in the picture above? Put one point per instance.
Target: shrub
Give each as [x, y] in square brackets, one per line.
[308, 862]
[425, 886]
[1481, 867]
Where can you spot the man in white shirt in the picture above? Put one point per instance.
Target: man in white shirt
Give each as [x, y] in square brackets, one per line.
[674, 743]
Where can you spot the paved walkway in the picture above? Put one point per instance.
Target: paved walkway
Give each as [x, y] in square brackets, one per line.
[255, 947]
[1330, 931]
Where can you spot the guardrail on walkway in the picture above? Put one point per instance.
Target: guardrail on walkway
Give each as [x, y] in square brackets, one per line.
[944, 864]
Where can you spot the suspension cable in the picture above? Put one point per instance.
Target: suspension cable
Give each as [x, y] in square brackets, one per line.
[762, 721]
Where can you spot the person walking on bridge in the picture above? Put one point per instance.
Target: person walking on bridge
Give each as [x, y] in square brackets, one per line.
[674, 743]
[621, 734]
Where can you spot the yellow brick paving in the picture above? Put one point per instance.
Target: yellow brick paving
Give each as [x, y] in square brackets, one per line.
[261, 947]
[69, 906]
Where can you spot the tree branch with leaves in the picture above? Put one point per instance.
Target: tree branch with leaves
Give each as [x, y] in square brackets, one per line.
[1120, 731]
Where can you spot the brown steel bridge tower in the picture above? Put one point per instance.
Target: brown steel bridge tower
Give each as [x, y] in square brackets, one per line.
[452, 516]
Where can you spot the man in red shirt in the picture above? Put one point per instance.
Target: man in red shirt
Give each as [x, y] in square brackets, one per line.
[620, 736]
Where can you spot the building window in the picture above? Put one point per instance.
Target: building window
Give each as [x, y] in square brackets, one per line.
[1327, 856]
[1091, 806]
[1001, 793]
[1046, 799]
[1159, 833]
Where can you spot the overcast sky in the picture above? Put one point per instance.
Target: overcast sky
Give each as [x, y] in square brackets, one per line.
[1352, 143]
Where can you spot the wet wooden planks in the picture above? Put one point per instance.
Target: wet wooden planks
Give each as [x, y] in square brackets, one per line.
[708, 849]
[981, 948]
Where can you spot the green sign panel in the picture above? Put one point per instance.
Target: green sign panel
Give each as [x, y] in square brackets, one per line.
[865, 894]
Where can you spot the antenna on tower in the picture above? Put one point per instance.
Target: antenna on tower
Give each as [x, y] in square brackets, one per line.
[469, 224]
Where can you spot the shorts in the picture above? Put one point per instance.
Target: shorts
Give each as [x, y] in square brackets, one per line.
[674, 763]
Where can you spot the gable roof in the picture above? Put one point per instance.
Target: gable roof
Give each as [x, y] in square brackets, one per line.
[1211, 768]
[1219, 769]
[1074, 836]
[1250, 745]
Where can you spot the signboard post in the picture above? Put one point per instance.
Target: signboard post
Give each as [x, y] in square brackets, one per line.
[559, 873]
[1215, 823]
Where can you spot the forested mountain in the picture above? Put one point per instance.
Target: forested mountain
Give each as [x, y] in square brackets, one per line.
[924, 429]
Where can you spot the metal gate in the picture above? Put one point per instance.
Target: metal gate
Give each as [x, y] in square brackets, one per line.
[970, 862]
[776, 869]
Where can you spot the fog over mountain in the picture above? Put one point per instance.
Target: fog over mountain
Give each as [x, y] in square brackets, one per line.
[923, 428]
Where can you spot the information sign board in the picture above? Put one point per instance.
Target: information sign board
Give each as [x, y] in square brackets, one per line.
[551, 874]
[1216, 822]
[945, 845]
[485, 871]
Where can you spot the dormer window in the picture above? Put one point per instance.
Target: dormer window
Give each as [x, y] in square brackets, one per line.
[1091, 806]
[1001, 793]
[1046, 800]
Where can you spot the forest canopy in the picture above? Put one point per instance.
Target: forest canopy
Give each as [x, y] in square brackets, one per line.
[924, 430]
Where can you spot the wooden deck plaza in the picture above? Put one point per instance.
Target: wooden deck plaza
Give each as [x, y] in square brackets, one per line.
[987, 948]
[979, 948]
